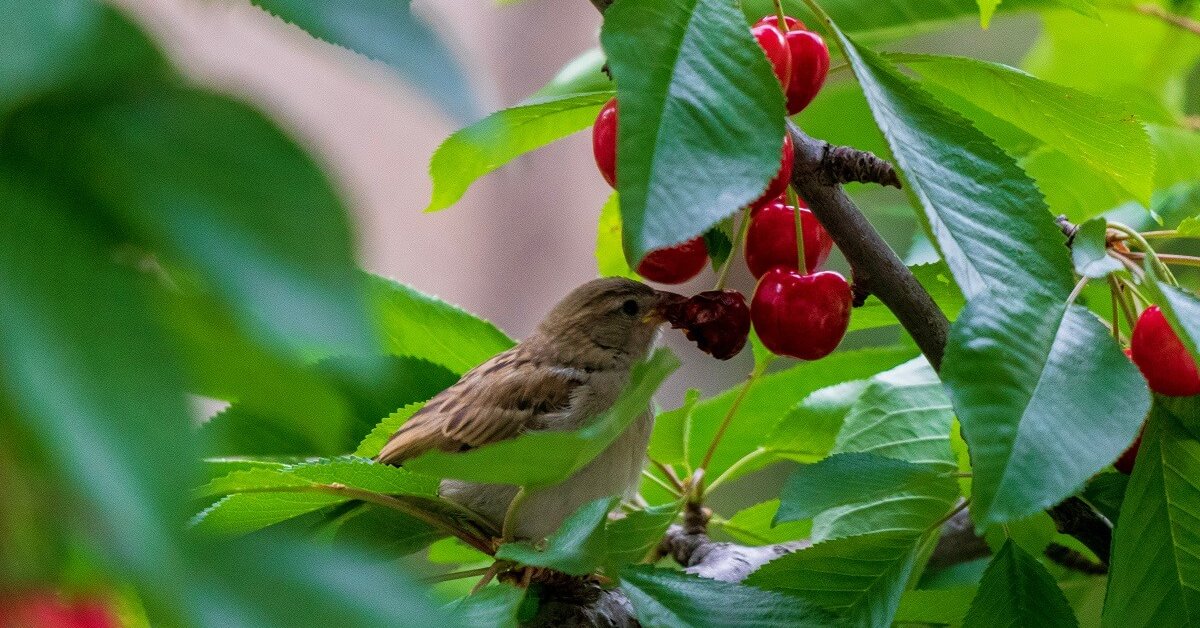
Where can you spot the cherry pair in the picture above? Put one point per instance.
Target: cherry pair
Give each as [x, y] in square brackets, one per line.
[799, 57]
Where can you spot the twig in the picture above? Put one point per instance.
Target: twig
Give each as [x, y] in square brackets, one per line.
[1179, 21]
[457, 575]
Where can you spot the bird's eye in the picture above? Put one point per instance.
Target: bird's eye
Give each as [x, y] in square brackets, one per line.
[630, 307]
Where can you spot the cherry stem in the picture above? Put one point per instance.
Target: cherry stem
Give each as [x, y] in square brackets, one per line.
[1159, 267]
[1164, 233]
[1120, 303]
[661, 484]
[669, 473]
[735, 467]
[738, 236]
[1141, 299]
[780, 16]
[759, 369]
[1078, 288]
[825, 19]
[794, 201]
[457, 575]
[1168, 258]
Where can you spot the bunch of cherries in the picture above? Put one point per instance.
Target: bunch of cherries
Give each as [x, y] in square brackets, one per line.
[797, 311]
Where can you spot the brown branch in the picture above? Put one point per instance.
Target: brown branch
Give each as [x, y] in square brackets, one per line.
[876, 267]
[1074, 517]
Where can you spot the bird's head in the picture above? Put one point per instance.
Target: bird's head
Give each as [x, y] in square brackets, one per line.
[612, 316]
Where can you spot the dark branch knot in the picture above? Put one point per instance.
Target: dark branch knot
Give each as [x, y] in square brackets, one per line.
[843, 164]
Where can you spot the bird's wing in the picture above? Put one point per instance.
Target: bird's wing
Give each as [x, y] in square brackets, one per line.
[495, 401]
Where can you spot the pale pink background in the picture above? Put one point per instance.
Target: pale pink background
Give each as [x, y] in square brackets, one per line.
[521, 237]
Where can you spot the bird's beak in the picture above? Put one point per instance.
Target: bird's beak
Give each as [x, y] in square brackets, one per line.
[666, 301]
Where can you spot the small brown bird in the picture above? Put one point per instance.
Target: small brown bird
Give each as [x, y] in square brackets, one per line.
[567, 373]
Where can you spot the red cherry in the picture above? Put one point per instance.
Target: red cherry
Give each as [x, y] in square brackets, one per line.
[810, 65]
[803, 316]
[791, 22]
[1161, 356]
[675, 264]
[604, 141]
[779, 184]
[771, 238]
[718, 321]
[773, 43]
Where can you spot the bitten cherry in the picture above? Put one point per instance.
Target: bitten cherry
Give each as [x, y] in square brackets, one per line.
[802, 316]
[675, 264]
[604, 141]
[779, 184]
[1161, 356]
[718, 321]
[773, 43]
[809, 62]
[771, 238]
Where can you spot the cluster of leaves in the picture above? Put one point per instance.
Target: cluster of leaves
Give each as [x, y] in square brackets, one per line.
[158, 240]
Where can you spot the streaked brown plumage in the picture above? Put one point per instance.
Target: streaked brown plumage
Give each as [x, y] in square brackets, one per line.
[571, 369]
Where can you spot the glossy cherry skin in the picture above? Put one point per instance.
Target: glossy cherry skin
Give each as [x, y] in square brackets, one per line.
[1161, 356]
[774, 44]
[809, 62]
[604, 141]
[802, 316]
[771, 238]
[783, 177]
[718, 321]
[675, 264]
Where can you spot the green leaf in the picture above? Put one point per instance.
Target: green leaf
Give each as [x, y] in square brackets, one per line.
[858, 577]
[632, 537]
[271, 580]
[576, 548]
[1045, 396]
[669, 443]
[1089, 250]
[88, 372]
[490, 606]
[349, 471]
[939, 607]
[770, 402]
[78, 46]
[1002, 238]
[543, 458]
[386, 30]
[283, 259]
[1189, 227]
[374, 442]
[580, 75]
[1105, 492]
[754, 526]
[383, 531]
[243, 513]
[854, 479]
[329, 419]
[503, 136]
[809, 431]
[422, 326]
[719, 241]
[1017, 589]
[610, 256]
[1104, 135]
[904, 415]
[670, 599]
[1155, 570]
[701, 117]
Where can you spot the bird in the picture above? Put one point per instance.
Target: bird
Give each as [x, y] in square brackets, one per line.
[571, 369]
